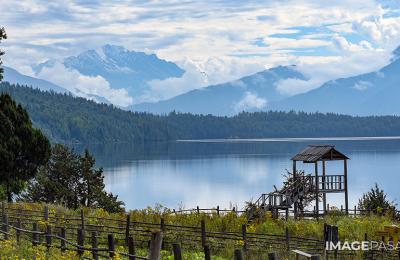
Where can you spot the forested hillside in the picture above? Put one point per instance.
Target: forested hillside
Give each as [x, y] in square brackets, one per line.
[65, 118]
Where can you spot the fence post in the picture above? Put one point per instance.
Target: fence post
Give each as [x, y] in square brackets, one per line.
[95, 244]
[63, 244]
[207, 253]
[111, 245]
[18, 232]
[155, 246]
[5, 226]
[3, 208]
[82, 220]
[48, 236]
[244, 236]
[35, 235]
[203, 232]
[198, 210]
[162, 225]
[272, 256]
[46, 213]
[218, 210]
[177, 252]
[127, 228]
[287, 238]
[81, 242]
[131, 248]
[315, 257]
[355, 210]
[238, 254]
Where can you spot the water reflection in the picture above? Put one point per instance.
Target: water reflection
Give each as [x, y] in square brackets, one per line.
[229, 173]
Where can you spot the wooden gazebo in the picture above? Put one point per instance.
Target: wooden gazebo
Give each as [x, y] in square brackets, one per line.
[323, 183]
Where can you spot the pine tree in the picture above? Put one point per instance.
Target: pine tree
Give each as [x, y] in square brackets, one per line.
[3, 36]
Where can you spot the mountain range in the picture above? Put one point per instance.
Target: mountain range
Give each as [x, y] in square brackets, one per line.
[121, 68]
[250, 93]
[374, 93]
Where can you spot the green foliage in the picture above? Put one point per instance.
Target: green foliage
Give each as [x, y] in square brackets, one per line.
[65, 118]
[3, 35]
[350, 229]
[22, 148]
[71, 180]
[376, 201]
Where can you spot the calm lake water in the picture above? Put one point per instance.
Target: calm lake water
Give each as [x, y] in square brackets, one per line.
[225, 173]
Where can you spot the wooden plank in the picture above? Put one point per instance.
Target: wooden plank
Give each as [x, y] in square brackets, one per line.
[298, 252]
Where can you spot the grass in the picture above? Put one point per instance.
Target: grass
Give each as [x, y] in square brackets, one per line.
[350, 228]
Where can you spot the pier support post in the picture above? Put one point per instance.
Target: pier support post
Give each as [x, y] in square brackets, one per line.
[294, 180]
[316, 190]
[324, 185]
[346, 195]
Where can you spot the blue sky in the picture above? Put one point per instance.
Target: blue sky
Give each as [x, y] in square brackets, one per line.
[224, 39]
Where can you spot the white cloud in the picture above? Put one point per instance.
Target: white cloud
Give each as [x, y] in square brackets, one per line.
[355, 60]
[295, 43]
[85, 86]
[199, 74]
[362, 85]
[250, 101]
[219, 37]
[292, 87]
[163, 89]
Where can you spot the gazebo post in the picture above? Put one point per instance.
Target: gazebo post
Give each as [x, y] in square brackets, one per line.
[323, 184]
[294, 180]
[316, 190]
[346, 195]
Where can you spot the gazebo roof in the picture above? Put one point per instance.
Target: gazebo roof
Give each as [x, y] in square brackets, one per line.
[314, 153]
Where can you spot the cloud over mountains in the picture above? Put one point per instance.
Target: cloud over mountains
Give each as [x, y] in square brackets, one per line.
[222, 40]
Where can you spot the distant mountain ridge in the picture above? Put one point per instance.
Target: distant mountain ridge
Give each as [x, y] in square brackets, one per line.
[122, 68]
[250, 93]
[374, 93]
[14, 77]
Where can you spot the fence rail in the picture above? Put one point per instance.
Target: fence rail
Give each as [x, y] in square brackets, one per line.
[74, 232]
[101, 235]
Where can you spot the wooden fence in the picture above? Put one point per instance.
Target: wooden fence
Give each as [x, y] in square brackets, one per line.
[307, 214]
[103, 235]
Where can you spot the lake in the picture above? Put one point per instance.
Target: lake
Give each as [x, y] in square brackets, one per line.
[228, 173]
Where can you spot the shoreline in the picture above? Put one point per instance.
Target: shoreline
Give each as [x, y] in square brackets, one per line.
[289, 139]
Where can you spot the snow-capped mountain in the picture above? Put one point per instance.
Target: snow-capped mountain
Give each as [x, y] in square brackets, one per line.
[122, 68]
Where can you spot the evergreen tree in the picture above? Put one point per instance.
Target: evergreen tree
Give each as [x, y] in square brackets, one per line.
[71, 180]
[3, 36]
[22, 148]
[376, 201]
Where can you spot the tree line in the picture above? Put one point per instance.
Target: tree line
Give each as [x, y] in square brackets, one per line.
[33, 170]
[65, 118]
